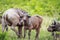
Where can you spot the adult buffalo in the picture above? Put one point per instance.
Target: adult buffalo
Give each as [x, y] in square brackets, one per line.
[13, 17]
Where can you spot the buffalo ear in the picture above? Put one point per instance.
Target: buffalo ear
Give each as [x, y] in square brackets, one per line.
[54, 22]
[29, 16]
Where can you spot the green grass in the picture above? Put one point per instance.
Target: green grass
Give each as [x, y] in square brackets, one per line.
[43, 35]
[41, 7]
[10, 35]
[46, 8]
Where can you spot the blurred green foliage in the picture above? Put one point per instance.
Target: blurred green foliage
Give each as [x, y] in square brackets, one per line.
[46, 8]
[41, 7]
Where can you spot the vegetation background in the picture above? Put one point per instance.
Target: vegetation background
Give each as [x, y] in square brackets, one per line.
[48, 9]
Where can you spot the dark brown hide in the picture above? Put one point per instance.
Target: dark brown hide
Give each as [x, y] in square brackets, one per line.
[33, 22]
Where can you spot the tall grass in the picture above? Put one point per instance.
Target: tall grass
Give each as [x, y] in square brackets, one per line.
[46, 8]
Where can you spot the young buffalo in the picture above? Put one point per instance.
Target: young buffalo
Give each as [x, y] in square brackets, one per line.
[32, 22]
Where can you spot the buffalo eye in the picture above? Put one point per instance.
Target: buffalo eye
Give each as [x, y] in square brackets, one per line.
[53, 27]
[21, 17]
[29, 16]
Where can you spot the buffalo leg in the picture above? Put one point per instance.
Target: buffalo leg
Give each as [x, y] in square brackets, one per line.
[13, 28]
[19, 32]
[54, 36]
[29, 33]
[37, 34]
[25, 32]
[3, 28]
[3, 25]
[6, 27]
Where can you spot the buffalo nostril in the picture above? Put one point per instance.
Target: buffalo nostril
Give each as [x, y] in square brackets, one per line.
[24, 20]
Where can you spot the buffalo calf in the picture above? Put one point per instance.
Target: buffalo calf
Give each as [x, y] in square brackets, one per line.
[32, 22]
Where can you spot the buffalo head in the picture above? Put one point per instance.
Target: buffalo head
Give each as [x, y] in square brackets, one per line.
[55, 26]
